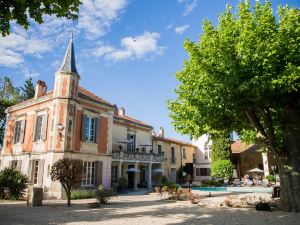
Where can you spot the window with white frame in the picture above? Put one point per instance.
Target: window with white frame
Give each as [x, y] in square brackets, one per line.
[39, 128]
[114, 174]
[207, 151]
[159, 151]
[90, 129]
[35, 171]
[183, 153]
[18, 129]
[131, 144]
[173, 159]
[89, 176]
[202, 171]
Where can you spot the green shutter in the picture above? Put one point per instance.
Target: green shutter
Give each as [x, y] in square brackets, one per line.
[98, 172]
[83, 127]
[44, 128]
[23, 125]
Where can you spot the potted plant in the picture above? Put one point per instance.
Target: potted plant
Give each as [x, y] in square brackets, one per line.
[120, 147]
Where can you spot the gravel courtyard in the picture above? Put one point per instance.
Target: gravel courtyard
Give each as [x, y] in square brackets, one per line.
[140, 209]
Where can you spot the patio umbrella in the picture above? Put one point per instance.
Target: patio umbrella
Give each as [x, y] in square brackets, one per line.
[133, 170]
[234, 174]
[158, 171]
[255, 170]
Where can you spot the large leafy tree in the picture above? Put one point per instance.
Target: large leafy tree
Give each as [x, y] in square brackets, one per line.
[22, 11]
[244, 75]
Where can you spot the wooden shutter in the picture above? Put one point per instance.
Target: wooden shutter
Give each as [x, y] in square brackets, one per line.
[19, 164]
[22, 134]
[128, 144]
[41, 172]
[34, 128]
[44, 128]
[15, 131]
[98, 172]
[97, 130]
[30, 171]
[10, 164]
[83, 127]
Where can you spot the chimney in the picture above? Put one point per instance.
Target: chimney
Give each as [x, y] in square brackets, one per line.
[161, 132]
[116, 110]
[40, 89]
[121, 111]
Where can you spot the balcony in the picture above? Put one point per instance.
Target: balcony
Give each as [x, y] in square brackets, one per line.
[137, 156]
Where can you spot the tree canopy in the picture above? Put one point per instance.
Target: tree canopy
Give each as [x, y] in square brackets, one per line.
[244, 75]
[69, 172]
[23, 11]
[27, 90]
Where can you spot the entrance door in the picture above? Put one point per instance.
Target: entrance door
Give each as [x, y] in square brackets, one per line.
[173, 175]
[130, 177]
[143, 176]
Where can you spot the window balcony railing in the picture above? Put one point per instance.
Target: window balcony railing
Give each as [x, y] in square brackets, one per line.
[137, 156]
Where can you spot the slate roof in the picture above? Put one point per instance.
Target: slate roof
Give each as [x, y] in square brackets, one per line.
[170, 140]
[69, 65]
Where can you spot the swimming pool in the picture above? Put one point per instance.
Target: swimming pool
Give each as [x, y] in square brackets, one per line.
[235, 189]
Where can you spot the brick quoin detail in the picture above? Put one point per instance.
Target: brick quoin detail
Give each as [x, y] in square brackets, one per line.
[102, 146]
[78, 131]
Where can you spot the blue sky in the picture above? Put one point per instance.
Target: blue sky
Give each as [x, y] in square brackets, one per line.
[127, 51]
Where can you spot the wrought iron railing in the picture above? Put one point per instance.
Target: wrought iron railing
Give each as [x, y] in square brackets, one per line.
[137, 156]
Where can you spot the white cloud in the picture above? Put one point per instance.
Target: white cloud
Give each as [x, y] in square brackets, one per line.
[132, 48]
[15, 46]
[96, 16]
[181, 29]
[29, 73]
[189, 6]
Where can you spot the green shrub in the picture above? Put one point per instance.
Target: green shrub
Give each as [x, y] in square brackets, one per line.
[271, 178]
[82, 193]
[222, 169]
[104, 195]
[12, 184]
[212, 183]
[164, 180]
[122, 182]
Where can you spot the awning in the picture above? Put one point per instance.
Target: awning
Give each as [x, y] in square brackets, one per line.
[255, 170]
[158, 171]
[133, 170]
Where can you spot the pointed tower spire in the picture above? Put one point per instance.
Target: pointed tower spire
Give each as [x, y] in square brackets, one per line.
[69, 65]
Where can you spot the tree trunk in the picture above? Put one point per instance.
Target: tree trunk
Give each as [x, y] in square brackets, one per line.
[289, 161]
[69, 197]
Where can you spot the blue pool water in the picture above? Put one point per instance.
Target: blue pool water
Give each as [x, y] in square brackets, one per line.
[235, 189]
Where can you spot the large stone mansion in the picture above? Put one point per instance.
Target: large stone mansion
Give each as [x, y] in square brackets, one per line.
[70, 121]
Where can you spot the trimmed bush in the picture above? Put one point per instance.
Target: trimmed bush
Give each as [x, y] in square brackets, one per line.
[82, 193]
[12, 184]
[104, 195]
